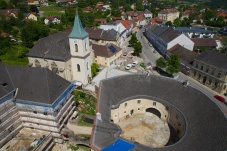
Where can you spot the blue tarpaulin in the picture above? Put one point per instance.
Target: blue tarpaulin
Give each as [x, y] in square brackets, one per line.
[120, 145]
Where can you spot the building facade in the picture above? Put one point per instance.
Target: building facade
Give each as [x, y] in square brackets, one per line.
[33, 98]
[210, 69]
[169, 14]
[66, 53]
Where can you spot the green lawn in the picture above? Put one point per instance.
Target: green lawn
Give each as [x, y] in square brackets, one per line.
[49, 13]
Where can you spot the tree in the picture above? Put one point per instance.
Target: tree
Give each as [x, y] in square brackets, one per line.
[169, 23]
[224, 46]
[22, 51]
[161, 62]
[173, 64]
[133, 39]
[139, 6]
[177, 22]
[137, 48]
[3, 4]
[94, 69]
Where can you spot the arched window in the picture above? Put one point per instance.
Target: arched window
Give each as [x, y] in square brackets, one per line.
[37, 63]
[87, 66]
[54, 67]
[76, 48]
[78, 68]
[85, 46]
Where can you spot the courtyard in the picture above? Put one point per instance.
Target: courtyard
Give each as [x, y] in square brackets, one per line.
[145, 129]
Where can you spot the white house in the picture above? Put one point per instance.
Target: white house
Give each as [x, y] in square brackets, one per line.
[52, 19]
[148, 14]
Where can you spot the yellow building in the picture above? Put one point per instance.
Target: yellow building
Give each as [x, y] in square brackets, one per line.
[30, 16]
[210, 68]
[106, 55]
[169, 14]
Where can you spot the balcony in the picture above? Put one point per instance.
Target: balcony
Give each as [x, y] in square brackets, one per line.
[41, 127]
[38, 121]
[27, 113]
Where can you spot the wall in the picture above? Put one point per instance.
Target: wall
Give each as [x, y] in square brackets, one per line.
[168, 112]
[183, 41]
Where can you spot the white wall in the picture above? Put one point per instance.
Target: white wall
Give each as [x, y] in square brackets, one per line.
[182, 40]
[108, 27]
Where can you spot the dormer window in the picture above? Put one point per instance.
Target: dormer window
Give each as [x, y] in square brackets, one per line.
[76, 48]
[78, 68]
[37, 63]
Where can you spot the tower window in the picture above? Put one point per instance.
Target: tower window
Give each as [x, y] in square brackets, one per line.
[78, 68]
[76, 48]
[85, 47]
[87, 66]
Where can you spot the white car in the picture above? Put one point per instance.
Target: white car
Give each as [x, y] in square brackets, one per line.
[135, 63]
[129, 66]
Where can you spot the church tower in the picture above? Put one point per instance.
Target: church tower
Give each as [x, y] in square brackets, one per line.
[80, 52]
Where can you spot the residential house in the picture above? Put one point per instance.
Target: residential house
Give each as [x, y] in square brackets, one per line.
[210, 68]
[99, 4]
[202, 44]
[147, 14]
[106, 55]
[102, 37]
[52, 19]
[66, 53]
[10, 12]
[116, 18]
[33, 2]
[163, 38]
[124, 28]
[169, 14]
[223, 31]
[156, 20]
[186, 57]
[100, 20]
[132, 14]
[30, 16]
[88, 9]
[185, 14]
[33, 98]
[100, 7]
[196, 32]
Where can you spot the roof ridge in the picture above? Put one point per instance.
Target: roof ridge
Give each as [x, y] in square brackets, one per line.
[48, 88]
[9, 75]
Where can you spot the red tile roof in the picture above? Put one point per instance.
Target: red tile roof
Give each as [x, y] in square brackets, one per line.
[156, 20]
[187, 12]
[88, 8]
[168, 11]
[100, 7]
[104, 51]
[204, 42]
[126, 23]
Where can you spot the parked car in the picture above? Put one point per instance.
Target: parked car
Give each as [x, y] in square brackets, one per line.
[220, 98]
[135, 63]
[129, 66]
[130, 45]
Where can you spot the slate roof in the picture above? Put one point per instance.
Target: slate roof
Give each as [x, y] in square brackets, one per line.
[6, 84]
[78, 30]
[104, 51]
[109, 35]
[205, 127]
[54, 47]
[214, 58]
[158, 30]
[193, 30]
[168, 11]
[38, 85]
[94, 33]
[207, 42]
[169, 35]
[183, 53]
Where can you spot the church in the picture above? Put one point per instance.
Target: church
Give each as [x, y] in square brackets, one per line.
[66, 53]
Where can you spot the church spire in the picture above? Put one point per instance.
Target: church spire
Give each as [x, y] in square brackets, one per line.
[78, 30]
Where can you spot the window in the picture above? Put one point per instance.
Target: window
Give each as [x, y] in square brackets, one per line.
[138, 109]
[154, 103]
[124, 111]
[212, 73]
[138, 101]
[35, 112]
[125, 104]
[210, 81]
[216, 83]
[54, 67]
[219, 74]
[87, 66]
[78, 68]
[37, 63]
[76, 48]
[201, 67]
[199, 76]
[194, 73]
[45, 113]
[207, 69]
[196, 65]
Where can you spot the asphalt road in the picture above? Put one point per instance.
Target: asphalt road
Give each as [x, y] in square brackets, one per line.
[149, 56]
[149, 53]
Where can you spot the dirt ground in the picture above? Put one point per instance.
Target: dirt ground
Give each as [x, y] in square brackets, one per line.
[146, 129]
[23, 139]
